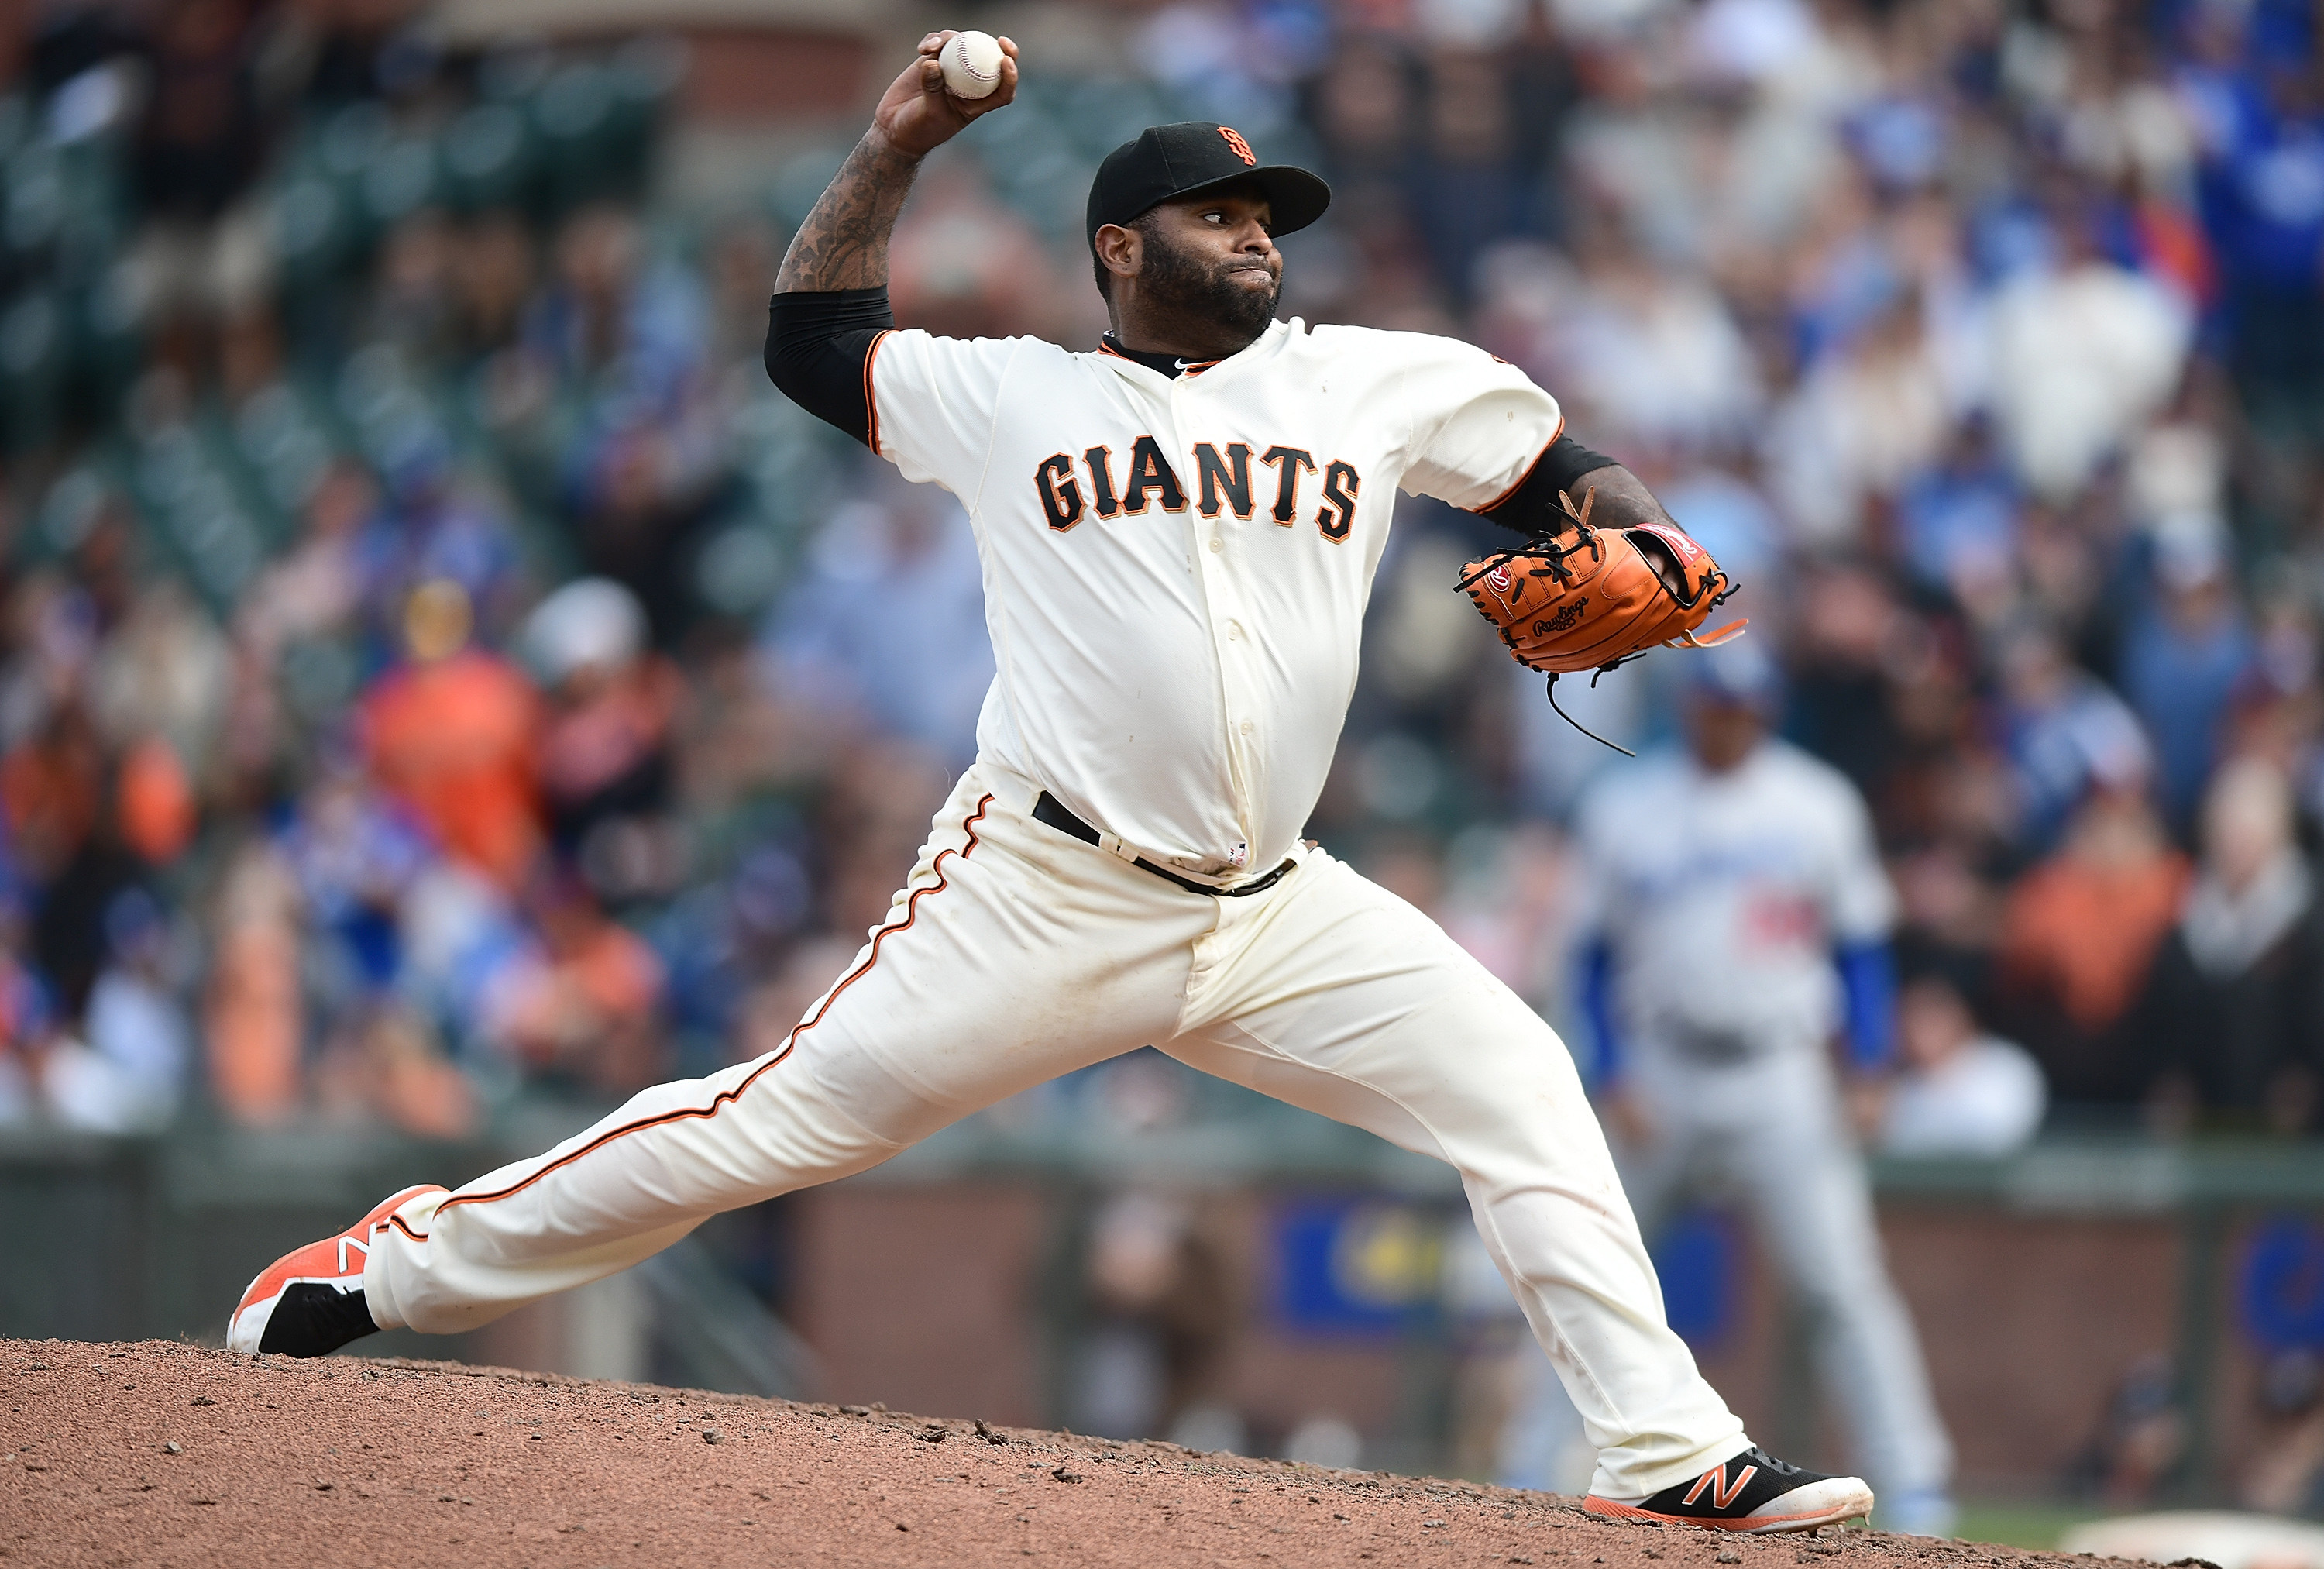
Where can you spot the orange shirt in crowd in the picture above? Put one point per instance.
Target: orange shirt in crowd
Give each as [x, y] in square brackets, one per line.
[252, 1024]
[52, 789]
[454, 741]
[158, 812]
[2084, 933]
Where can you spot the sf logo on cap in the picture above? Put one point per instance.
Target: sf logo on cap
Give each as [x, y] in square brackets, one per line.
[1241, 148]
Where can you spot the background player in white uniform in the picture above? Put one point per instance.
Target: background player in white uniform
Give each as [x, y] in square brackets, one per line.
[1736, 919]
[1178, 533]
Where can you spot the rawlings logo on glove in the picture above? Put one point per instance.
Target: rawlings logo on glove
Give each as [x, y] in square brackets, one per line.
[1592, 598]
[1566, 616]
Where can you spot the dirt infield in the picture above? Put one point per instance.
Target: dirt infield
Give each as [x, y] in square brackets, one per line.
[161, 1454]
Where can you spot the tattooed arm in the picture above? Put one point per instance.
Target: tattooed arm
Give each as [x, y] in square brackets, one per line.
[830, 307]
[844, 242]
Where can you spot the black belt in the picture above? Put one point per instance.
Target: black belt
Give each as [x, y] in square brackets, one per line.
[1049, 809]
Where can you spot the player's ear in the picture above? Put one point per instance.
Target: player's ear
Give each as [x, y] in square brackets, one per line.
[1118, 250]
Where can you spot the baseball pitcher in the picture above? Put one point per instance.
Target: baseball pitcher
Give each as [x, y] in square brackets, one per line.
[1178, 531]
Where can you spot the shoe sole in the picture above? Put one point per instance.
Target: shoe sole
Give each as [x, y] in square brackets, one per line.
[240, 1318]
[1803, 1509]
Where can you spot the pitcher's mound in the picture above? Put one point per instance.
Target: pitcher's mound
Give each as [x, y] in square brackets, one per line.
[161, 1453]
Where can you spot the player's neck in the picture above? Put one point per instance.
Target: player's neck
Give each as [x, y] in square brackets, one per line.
[1166, 365]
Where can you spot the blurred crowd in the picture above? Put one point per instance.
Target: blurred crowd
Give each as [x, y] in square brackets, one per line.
[434, 663]
[427, 670]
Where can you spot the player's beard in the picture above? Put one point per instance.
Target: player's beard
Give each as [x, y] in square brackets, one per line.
[1182, 280]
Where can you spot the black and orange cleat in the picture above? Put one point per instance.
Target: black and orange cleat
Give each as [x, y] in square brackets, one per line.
[1754, 1492]
[310, 1301]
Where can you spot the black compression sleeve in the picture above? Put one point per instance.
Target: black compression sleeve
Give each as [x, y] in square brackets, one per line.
[818, 350]
[1532, 507]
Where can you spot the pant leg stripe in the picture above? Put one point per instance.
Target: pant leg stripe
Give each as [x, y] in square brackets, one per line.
[725, 1098]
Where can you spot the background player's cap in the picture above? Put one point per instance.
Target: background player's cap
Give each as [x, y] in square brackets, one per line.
[1739, 673]
[1168, 161]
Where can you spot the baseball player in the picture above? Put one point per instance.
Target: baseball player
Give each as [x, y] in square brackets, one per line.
[1755, 863]
[1178, 531]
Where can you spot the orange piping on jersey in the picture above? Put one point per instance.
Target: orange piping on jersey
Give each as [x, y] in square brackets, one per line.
[912, 914]
[725, 1098]
[1527, 475]
[401, 1224]
[871, 403]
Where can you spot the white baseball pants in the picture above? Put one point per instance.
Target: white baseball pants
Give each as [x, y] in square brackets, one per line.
[1770, 1133]
[1016, 953]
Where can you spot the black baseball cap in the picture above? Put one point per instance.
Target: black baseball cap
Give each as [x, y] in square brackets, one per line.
[1192, 156]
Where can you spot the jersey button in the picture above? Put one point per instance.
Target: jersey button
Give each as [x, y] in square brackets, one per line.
[1246, 728]
[1217, 543]
[1234, 631]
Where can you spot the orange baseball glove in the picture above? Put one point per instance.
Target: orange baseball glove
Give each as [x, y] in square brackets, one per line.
[1592, 598]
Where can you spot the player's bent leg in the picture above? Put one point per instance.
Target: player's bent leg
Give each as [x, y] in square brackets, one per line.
[613, 1195]
[982, 982]
[1343, 999]
[606, 1198]
[1656, 1176]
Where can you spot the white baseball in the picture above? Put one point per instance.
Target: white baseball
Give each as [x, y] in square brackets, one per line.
[972, 64]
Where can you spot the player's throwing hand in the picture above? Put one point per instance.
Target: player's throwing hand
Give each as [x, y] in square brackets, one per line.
[916, 116]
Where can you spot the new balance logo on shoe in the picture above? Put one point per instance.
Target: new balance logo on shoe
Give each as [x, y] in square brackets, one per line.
[1723, 1493]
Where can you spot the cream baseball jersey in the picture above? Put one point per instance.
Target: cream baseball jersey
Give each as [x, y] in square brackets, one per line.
[1175, 568]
